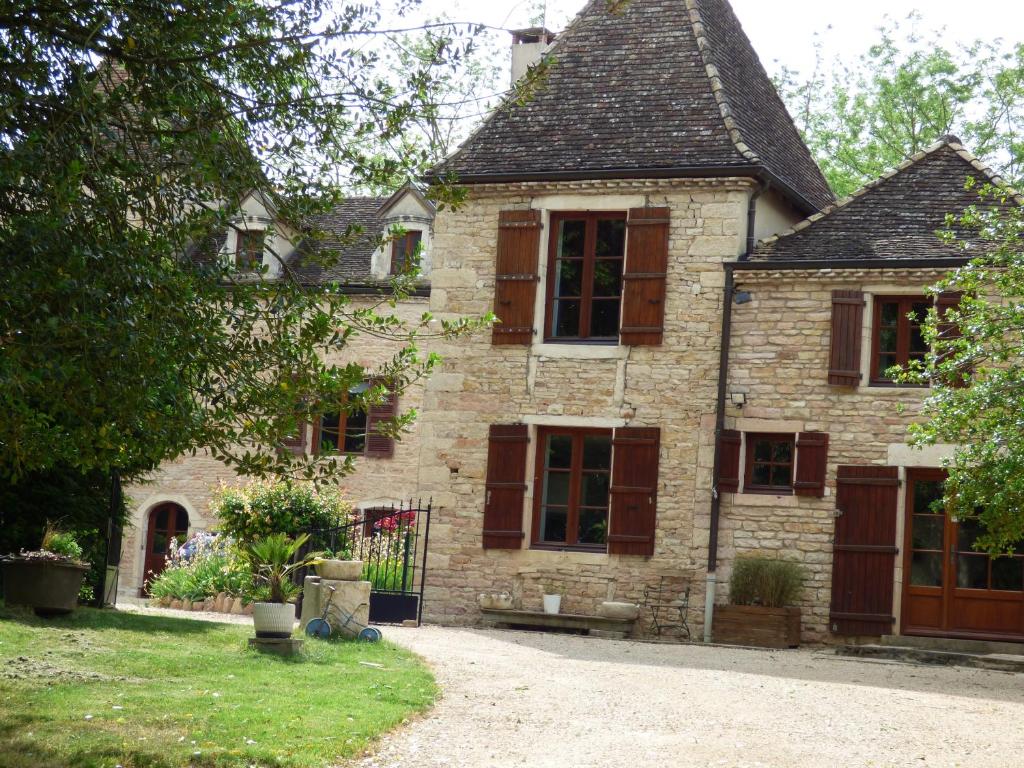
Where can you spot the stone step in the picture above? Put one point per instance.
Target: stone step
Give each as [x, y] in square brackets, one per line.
[1002, 662]
[951, 644]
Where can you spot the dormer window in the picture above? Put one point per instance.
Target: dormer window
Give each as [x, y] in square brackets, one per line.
[249, 249]
[403, 249]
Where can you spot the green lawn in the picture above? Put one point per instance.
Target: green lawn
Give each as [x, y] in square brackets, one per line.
[103, 688]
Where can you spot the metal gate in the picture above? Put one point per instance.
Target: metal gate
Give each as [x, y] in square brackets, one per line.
[392, 544]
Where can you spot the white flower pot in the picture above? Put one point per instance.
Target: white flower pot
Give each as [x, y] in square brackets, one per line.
[552, 603]
[340, 570]
[273, 619]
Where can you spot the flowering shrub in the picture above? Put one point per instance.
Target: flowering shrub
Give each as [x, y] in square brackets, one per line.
[203, 566]
[264, 509]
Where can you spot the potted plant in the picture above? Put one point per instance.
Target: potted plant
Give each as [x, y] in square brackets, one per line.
[339, 566]
[552, 599]
[762, 593]
[47, 580]
[272, 561]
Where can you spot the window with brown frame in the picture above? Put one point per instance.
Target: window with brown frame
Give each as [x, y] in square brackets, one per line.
[770, 464]
[342, 431]
[585, 263]
[249, 249]
[897, 337]
[403, 249]
[572, 489]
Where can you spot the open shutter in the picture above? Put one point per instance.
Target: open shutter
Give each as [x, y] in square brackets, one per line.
[729, 461]
[515, 286]
[297, 443]
[864, 553]
[811, 463]
[379, 445]
[634, 491]
[643, 284]
[950, 331]
[506, 486]
[847, 325]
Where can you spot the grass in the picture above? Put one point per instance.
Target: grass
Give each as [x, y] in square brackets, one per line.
[103, 688]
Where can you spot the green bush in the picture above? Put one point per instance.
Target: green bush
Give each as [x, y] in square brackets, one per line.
[61, 543]
[214, 565]
[764, 581]
[263, 509]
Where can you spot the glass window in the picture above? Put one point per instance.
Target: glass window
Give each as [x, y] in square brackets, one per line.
[770, 460]
[574, 490]
[898, 337]
[344, 431]
[405, 251]
[249, 250]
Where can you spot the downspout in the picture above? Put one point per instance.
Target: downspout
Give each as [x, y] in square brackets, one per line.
[728, 295]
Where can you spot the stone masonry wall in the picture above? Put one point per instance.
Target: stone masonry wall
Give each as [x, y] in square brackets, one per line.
[190, 480]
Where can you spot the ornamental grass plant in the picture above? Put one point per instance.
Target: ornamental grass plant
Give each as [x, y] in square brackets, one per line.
[765, 581]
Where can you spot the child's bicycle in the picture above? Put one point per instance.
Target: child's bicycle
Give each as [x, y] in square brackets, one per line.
[322, 628]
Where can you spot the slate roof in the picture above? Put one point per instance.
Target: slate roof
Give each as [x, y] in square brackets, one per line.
[666, 87]
[895, 217]
[354, 253]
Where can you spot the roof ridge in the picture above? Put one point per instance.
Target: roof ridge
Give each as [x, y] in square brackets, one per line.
[946, 141]
[717, 86]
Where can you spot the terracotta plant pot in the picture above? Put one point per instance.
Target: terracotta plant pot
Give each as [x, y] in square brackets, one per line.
[50, 588]
[340, 570]
[272, 620]
[757, 626]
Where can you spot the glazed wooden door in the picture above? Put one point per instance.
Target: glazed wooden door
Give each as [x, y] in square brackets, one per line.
[949, 588]
[166, 522]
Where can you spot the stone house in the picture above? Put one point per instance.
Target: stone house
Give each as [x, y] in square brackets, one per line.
[690, 360]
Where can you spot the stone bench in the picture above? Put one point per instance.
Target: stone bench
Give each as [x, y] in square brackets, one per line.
[598, 626]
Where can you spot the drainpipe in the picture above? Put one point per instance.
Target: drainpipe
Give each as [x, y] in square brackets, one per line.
[728, 295]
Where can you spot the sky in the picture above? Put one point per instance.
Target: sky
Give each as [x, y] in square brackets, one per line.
[783, 30]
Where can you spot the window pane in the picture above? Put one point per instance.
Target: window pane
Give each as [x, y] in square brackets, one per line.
[611, 237]
[553, 524]
[972, 571]
[597, 452]
[927, 492]
[604, 318]
[572, 235]
[595, 489]
[762, 450]
[782, 452]
[967, 533]
[161, 520]
[556, 488]
[890, 313]
[927, 532]
[182, 521]
[566, 322]
[885, 362]
[1008, 574]
[887, 340]
[918, 346]
[782, 476]
[761, 474]
[919, 311]
[559, 451]
[355, 442]
[329, 431]
[593, 527]
[159, 543]
[607, 278]
[926, 569]
[569, 278]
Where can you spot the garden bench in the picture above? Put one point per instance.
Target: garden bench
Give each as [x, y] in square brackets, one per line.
[565, 622]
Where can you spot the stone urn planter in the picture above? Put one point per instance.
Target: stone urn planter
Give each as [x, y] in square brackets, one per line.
[757, 626]
[495, 601]
[273, 620]
[49, 587]
[621, 611]
[340, 570]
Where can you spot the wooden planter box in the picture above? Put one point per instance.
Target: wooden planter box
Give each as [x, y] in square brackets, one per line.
[757, 626]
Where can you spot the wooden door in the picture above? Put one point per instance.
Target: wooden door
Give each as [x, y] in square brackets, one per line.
[864, 552]
[949, 588]
[166, 522]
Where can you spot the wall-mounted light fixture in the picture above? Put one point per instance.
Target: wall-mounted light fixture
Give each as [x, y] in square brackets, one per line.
[744, 297]
[739, 399]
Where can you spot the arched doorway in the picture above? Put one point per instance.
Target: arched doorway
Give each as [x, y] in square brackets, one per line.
[166, 521]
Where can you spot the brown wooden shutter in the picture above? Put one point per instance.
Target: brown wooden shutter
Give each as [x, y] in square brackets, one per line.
[297, 443]
[811, 464]
[864, 552]
[729, 461]
[506, 486]
[515, 285]
[634, 491]
[643, 284]
[847, 326]
[950, 331]
[379, 445]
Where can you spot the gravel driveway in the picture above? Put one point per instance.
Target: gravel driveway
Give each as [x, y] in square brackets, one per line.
[523, 699]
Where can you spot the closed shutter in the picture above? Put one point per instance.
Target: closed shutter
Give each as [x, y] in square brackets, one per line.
[296, 443]
[643, 284]
[811, 463]
[864, 552]
[506, 486]
[379, 445]
[634, 491]
[847, 325]
[515, 286]
[729, 461]
[949, 331]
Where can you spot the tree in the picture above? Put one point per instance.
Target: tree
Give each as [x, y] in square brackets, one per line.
[976, 372]
[904, 94]
[130, 130]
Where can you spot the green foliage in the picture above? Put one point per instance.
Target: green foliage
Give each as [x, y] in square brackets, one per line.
[273, 560]
[387, 573]
[766, 581]
[61, 543]
[262, 509]
[902, 95]
[976, 400]
[209, 571]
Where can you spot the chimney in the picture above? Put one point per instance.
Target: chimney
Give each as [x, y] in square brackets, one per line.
[528, 46]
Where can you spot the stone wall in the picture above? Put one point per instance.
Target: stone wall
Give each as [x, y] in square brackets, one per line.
[191, 480]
